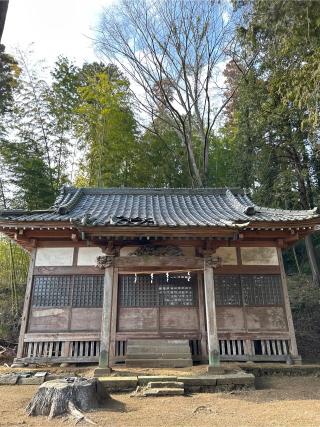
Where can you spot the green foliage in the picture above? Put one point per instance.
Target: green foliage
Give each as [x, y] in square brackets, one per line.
[275, 153]
[304, 301]
[107, 127]
[14, 263]
[163, 161]
[287, 34]
[37, 148]
[9, 73]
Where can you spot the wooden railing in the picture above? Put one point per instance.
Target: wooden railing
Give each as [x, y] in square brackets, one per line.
[57, 348]
[255, 349]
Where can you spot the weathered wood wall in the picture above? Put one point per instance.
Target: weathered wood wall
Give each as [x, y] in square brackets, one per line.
[242, 328]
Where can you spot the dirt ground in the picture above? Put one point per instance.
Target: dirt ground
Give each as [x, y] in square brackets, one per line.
[285, 401]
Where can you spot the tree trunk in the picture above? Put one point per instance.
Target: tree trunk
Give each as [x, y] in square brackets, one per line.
[67, 396]
[312, 260]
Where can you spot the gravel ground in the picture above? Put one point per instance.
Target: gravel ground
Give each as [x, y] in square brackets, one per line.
[285, 401]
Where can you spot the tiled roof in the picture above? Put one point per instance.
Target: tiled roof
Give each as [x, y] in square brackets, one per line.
[157, 207]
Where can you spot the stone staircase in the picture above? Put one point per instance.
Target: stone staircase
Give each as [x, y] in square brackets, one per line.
[164, 388]
[154, 353]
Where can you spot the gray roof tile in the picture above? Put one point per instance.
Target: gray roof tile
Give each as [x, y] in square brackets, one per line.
[159, 207]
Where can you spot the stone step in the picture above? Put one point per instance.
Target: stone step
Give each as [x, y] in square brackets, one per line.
[158, 363]
[163, 392]
[143, 380]
[165, 384]
[158, 356]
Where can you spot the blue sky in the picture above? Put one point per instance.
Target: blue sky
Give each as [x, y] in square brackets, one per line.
[54, 27]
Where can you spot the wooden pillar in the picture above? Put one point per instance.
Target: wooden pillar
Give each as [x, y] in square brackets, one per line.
[293, 343]
[213, 341]
[26, 305]
[104, 358]
[202, 319]
[114, 315]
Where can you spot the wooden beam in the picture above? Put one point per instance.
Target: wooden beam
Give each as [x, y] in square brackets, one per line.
[47, 271]
[129, 262]
[26, 306]
[212, 331]
[62, 336]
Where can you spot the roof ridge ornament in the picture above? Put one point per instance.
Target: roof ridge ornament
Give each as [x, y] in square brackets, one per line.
[66, 208]
[245, 209]
[60, 197]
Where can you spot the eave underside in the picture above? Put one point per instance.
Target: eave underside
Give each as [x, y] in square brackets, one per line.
[280, 234]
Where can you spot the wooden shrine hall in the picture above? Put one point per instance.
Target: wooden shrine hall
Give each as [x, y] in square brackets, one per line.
[156, 277]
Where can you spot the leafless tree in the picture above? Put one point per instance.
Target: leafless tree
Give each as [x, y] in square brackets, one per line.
[176, 44]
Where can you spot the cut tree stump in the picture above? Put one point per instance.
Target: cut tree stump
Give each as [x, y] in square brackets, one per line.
[67, 396]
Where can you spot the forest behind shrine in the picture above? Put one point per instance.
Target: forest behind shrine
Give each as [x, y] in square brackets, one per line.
[185, 94]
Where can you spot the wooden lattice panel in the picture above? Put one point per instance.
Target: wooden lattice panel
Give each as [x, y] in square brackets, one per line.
[159, 290]
[87, 291]
[228, 290]
[252, 290]
[51, 291]
[69, 290]
[262, 290]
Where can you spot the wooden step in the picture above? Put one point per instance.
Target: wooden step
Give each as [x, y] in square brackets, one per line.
[160, 342]
[158, 356]
[153, 353]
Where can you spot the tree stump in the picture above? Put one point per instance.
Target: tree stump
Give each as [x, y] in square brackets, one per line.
[67, 396]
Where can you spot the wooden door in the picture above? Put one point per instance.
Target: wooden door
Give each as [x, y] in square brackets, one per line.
[158, 304]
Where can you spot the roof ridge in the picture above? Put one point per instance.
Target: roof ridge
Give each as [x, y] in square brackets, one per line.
[151, 190]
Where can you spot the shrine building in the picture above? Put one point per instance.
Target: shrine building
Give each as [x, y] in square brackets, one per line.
[156, 277]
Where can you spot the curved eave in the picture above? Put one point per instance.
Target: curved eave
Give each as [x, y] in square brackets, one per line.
[308, 224]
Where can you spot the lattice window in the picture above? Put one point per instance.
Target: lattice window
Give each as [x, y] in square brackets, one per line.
[227, 290]
[137, 291]
[144, 290]
[262, 290]
[63, 291]
[87, 291]
[238, 290]
[51, 291]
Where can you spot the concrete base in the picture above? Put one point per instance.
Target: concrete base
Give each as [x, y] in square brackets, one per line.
[216, 370]
[295, 360]
[18, 364]
[119, 384]
[143, 380]
[206, 384]
[102, 372]
[154, 392]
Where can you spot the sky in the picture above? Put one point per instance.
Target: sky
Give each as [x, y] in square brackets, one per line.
[53, 27]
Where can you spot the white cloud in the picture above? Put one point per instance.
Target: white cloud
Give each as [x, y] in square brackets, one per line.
[59, 27]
